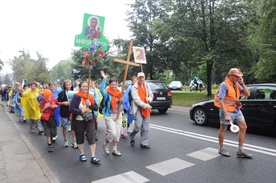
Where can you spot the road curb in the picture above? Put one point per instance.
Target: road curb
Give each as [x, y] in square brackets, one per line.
[43, 165]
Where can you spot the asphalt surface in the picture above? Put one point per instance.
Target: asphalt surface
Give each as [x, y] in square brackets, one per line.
[175, 139]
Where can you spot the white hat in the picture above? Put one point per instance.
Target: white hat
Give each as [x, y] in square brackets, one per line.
[140, 74]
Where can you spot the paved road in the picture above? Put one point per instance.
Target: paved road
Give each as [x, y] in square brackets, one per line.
[181, 152]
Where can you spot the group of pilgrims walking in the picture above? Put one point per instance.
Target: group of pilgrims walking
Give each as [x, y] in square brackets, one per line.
[75, 108]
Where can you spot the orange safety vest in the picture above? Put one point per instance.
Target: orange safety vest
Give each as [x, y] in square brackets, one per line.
[232, 97]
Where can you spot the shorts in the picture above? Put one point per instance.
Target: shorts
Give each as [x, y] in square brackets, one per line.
[65, 122]
[50, 128]
[235, 116]
[85, 126]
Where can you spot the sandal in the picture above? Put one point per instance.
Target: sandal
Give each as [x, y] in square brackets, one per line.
[95, 160]
[83, 158]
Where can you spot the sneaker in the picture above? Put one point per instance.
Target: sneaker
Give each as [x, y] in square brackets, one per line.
[94, 160]
[66, 144]
[105, 148]
[74, 145]
[31, 131]
[243, 154]
[123, 135]
[116, 152]
[83, 158]
[223, 152]
[54, 139]
[50, 149]
[144, 146]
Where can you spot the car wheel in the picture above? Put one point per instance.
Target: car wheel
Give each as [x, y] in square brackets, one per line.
[163, 111]
[200, 117]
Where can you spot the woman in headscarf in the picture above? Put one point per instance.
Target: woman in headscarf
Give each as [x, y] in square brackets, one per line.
[47, 108]
[29, 100]
[82, 106]
[111, 97]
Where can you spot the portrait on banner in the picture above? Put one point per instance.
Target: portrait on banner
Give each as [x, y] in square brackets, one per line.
[139, 55]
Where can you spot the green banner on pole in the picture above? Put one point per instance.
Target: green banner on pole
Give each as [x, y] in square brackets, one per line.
[92, 31]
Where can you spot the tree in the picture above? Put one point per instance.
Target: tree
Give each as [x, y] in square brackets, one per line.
[62, 70]
[24, 67]
[141, 20]
[1, 64]
[263, 40]
[204, 33]
[7, 80]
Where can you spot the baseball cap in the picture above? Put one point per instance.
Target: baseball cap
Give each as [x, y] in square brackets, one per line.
[140, 74]
[235, 71]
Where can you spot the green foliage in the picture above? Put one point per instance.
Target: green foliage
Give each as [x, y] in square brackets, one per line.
[62, 71]
[7, 80]
[24, 67]
[188, 37]
[188, 99]
[263, 40]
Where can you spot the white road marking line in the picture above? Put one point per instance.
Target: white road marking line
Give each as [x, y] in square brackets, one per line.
[205, 154]
[128, 177]
[254, 148]
[169, 166]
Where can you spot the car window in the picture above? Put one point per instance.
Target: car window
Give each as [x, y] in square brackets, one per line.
[262, 92]
[156, 86]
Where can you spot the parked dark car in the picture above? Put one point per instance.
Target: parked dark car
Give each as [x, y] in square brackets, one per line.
[259, 109]
[162, 95]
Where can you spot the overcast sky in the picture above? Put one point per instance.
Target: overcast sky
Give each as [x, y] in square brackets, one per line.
[49, 26]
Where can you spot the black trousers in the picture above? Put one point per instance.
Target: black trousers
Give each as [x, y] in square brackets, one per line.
[85, 126]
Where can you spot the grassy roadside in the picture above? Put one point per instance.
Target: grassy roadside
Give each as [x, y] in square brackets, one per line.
[183, 98]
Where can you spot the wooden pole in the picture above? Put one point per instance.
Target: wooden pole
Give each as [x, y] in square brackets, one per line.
[125, 76]
[141, 66]
[89, 78]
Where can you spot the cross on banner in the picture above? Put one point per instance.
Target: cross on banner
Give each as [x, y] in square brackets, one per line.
[127, 63]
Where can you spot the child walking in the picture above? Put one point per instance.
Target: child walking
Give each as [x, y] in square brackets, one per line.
[47, 108]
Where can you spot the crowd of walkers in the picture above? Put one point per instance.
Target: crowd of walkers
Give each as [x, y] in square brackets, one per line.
[75, 108]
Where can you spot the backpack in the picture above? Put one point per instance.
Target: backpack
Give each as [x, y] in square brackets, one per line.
[129, 97]
[102, 105]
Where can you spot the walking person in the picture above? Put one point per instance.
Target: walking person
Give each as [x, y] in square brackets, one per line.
[111, 97]
[54, 89]
[227, 100]
[47, 108]
[140, 107]
[65, 113]
[30, 106]
[127, 105]
[82, 106]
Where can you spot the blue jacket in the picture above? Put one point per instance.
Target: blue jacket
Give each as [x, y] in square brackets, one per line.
[127, 105]
[106, 99]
